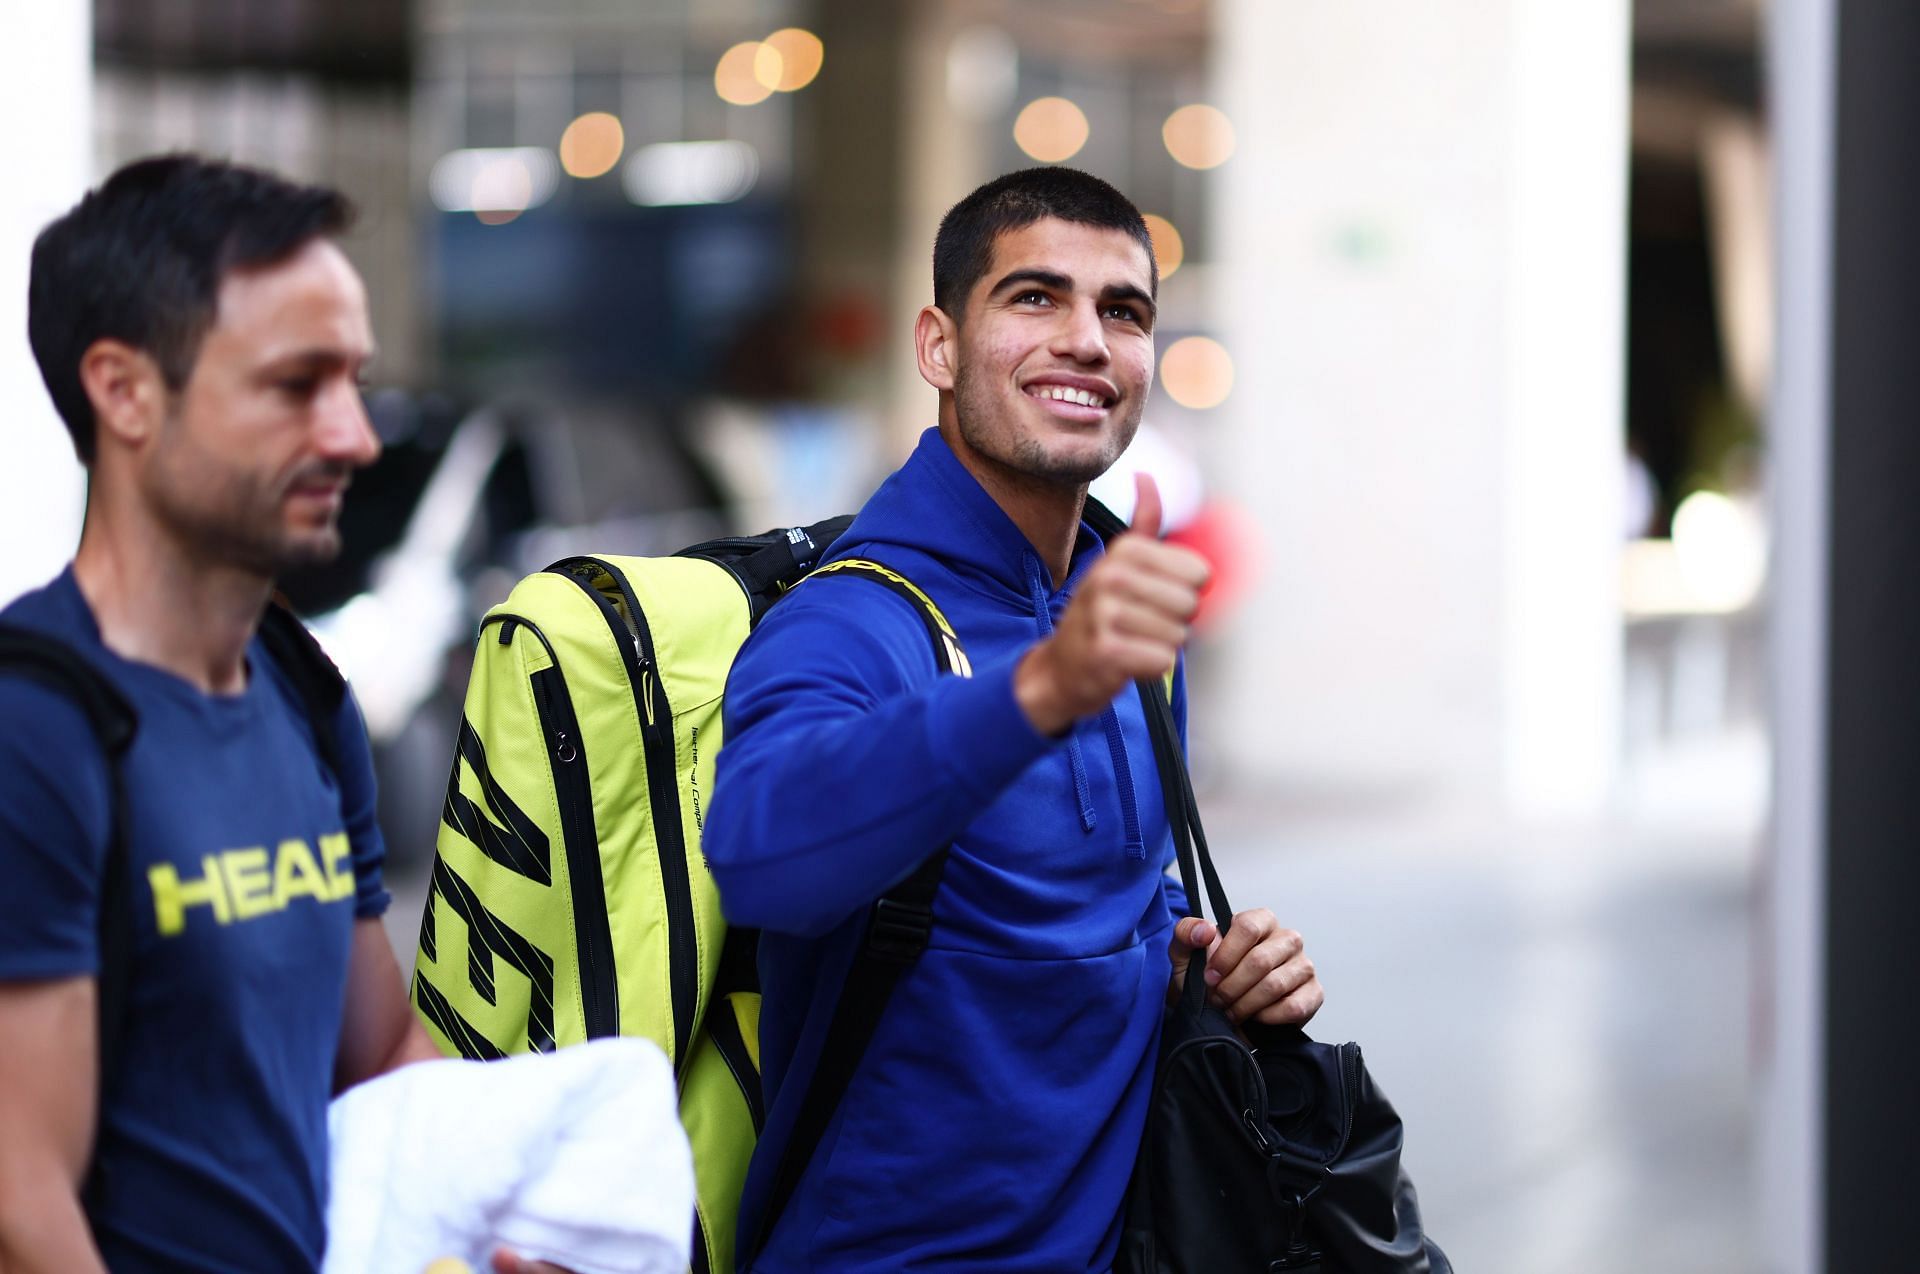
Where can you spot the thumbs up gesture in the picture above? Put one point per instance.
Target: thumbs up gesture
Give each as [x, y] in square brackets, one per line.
[1127, 620]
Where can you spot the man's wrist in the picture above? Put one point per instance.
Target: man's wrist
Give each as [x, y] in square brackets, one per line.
[1037, 690]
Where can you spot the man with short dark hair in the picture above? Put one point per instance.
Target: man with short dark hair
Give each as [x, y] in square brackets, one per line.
[202, 336]
[994, 1118]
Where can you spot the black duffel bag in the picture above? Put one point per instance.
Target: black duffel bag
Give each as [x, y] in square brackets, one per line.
[1264, 1150]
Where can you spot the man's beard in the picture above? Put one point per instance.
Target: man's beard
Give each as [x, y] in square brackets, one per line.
[237, 520]
[976, 410]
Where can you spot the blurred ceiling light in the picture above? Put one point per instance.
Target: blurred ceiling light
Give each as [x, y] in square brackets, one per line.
[1197, 372]
[1722, 551]
[739, 76]
[1198, 136]
[983, 71]
[801, 54]
[496, 185]
[592, 144]
[675, 173]
[1050, 129]
[1168, 248]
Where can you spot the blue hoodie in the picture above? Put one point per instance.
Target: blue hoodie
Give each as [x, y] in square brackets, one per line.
[995, 1117]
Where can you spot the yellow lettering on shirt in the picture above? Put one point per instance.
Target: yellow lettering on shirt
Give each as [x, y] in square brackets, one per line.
[338, 851]
[296, 874]
[172, 896]
[240, 884]
[249, 884]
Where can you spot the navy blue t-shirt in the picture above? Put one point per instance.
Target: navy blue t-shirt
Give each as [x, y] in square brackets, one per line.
[250, 863]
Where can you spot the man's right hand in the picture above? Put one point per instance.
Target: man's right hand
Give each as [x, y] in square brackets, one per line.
[1127, 620]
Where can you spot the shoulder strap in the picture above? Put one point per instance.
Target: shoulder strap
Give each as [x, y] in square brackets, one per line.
[62, 669]
[898, 927]
[315, 678]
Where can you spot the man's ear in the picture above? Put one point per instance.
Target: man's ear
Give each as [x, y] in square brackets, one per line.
[936, 342]
[126, 388]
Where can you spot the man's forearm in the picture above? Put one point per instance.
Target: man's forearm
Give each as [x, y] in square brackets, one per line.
[44, 1231]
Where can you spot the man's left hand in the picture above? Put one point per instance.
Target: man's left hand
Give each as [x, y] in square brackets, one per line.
[1259, 972]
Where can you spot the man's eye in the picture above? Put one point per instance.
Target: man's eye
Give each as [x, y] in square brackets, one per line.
[1030, 298]
[299, 386]
[1125, 313]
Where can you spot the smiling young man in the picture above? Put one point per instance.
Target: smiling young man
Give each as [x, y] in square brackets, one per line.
[202, 337]
[994, 1118]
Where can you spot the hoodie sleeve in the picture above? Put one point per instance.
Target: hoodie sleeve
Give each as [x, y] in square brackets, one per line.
[848, 760]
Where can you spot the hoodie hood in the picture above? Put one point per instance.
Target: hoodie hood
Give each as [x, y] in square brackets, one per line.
[934, 505]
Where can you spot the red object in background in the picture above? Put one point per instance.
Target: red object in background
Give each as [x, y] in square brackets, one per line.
[848, 325]
[1229, 538]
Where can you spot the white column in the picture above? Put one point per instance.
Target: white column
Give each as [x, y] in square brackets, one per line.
[1423, 238]
[1791, 945]
[46, 76]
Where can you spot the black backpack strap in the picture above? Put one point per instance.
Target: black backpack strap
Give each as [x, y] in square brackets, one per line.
[1105, 522]
[788, 556]
[898, 927]
[56, 665]
[315, 678]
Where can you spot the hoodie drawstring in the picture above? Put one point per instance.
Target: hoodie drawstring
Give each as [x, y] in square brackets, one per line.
[1116, 741]
[1043, 619]
[1123, 778]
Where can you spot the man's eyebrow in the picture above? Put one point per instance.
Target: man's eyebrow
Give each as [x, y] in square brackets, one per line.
[1045, 278]
[317, 356]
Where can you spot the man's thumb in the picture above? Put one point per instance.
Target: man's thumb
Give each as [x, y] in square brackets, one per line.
[1146, 506]
[1193, 933]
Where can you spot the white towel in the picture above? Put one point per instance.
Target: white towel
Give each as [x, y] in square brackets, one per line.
[576, 1157]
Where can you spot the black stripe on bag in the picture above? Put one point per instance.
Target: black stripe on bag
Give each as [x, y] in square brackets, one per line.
[519, 846]
[723, 1028]
[464, 1035]
[490, 937]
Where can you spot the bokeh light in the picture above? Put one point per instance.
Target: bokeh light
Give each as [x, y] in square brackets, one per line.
[1722, 549]
[1197, 372]
[674, 173]
[801, 54]
[592, 145]
[1168, 248]
[496, 185]
[737, 78]
[1198, 136]
[1050, 129]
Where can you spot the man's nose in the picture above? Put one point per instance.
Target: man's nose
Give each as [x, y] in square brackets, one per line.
[346, 432]
[1081, 336]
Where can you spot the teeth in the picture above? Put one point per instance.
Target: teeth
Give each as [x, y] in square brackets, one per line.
[1060, 393]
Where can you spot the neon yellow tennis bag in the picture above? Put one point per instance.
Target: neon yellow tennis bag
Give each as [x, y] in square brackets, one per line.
[569, 897]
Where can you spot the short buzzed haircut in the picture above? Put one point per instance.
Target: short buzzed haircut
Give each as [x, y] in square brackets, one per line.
[963, 250]
[141, 259]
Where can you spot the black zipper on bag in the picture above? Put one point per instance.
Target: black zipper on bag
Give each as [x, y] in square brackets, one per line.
[567, 759]
[635, 642]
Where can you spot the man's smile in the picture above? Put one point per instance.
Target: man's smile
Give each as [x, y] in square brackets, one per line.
[1078, 398]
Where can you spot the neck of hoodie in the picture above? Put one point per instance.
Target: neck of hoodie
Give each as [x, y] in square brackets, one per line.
[937, 505]
[1047, 513]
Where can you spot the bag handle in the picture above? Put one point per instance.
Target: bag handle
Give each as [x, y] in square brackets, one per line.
[1176, 790]
[1189, 839]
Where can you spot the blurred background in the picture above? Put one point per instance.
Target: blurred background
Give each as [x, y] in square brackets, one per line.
[1532, 373]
